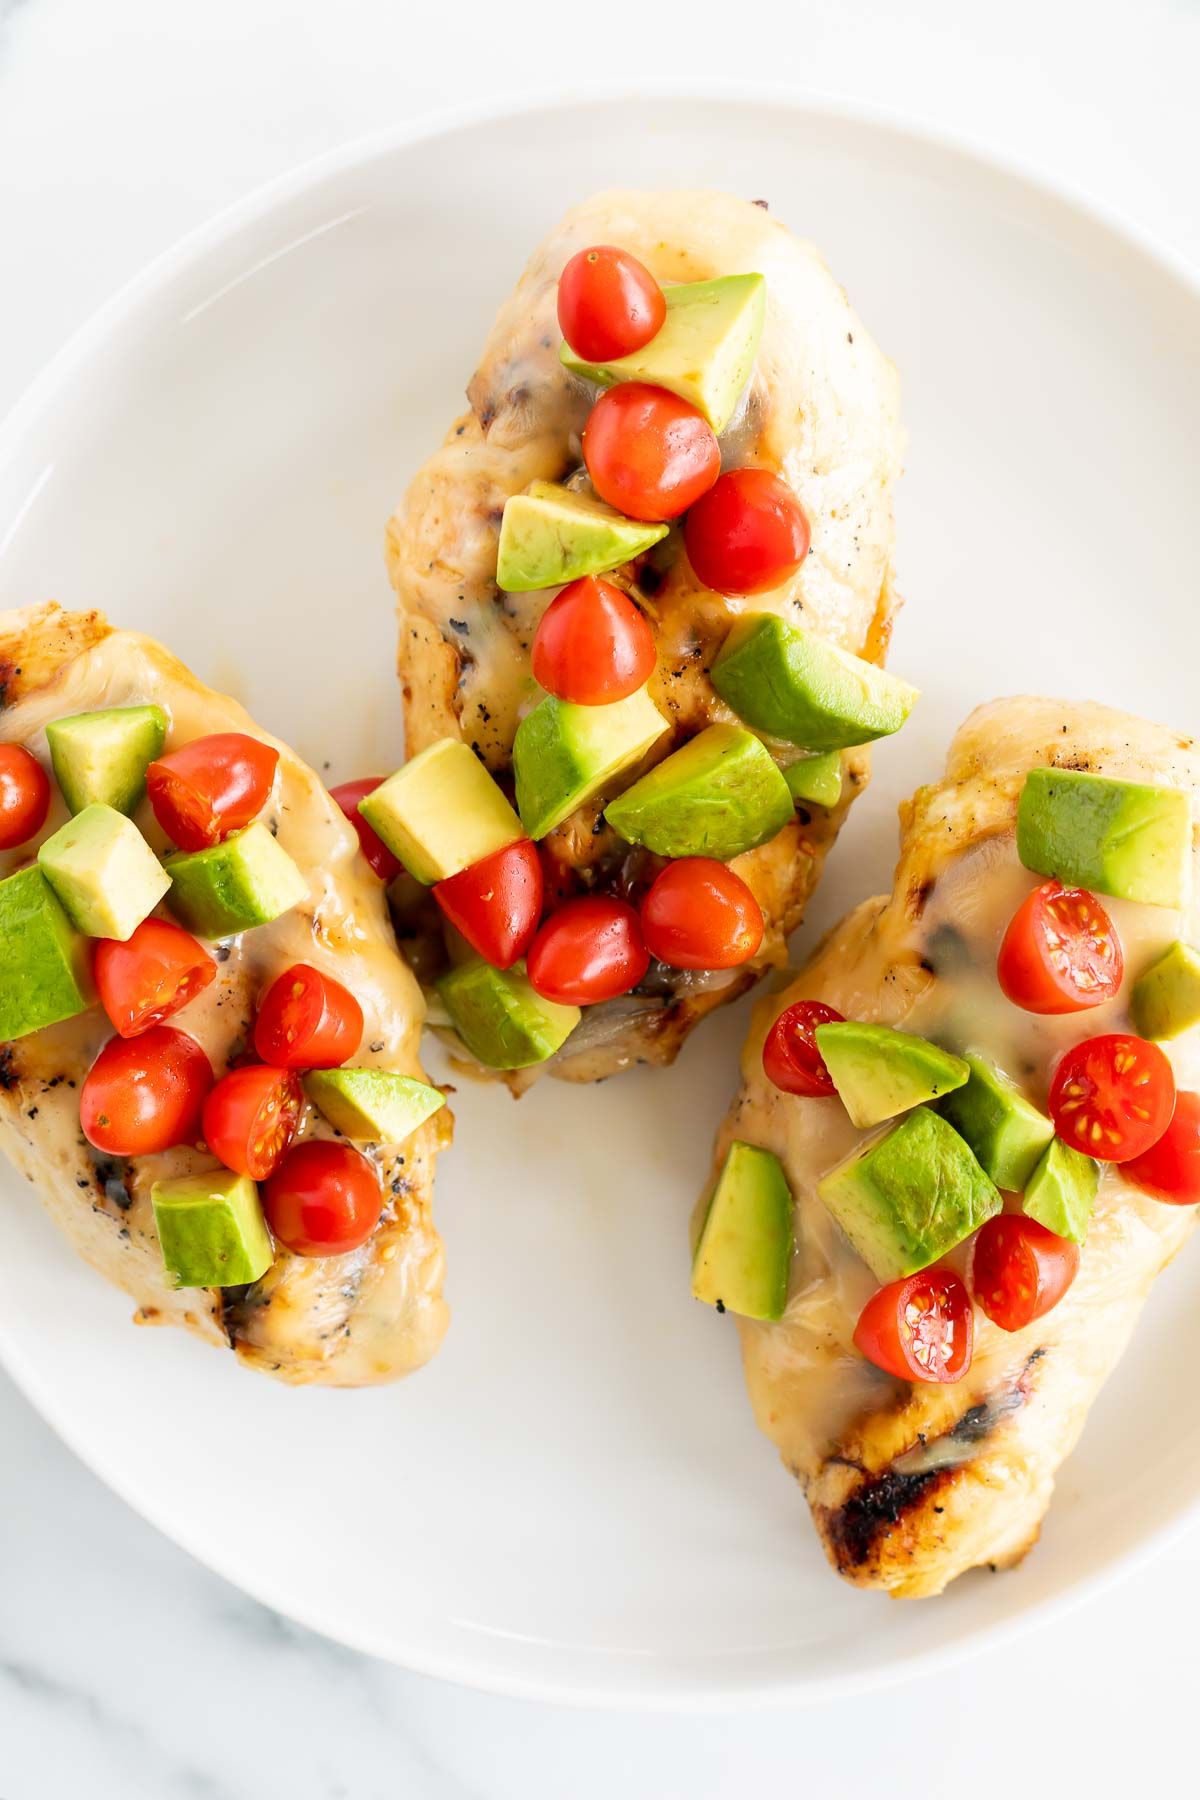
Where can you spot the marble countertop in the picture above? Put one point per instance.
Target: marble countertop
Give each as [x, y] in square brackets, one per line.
[125, 1668]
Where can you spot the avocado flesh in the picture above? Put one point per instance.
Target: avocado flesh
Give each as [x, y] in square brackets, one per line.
[441, 812]
[816, 778]
[879, 1072]
[563, 754]
[104, 872]
[744, 1250]
[793, 685]
[719, 796]
[211, 1229]
[1062, 1190]
[550, 535]
[1115, 837]
[1165, 1000]
[45, 964]
[248, 880]
[501, 1018]
[372, 1105]
[908, 1197]
[102, 757]
[704, 350]
[1006, 1132]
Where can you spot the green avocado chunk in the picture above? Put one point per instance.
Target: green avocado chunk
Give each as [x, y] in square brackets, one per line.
[816, 778]
[906, 1198]
[248, 880]
[1061, 1191]
[104, 872]
[441, 812]
[211, 1229]
[565, 754]
[879, 1072]
[1165, 1000]
[704, 351]
[45, 964]
[1006, 1131]
[501, 1017]
[718, 796]
[793, 685]
[1115, 837]
[372, 1105]
[102, 757]
[744, 1250]
[550, 535]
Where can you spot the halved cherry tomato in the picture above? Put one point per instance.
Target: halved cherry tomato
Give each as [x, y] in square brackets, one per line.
[24, 795]
[699, 915]
[747, 534]
[609, 303]
[648, 452]
[919, 1329]
[210, 787]
[1060, 953]
[1170, 1169]
[790, 1055]
[1019, 1270]
[151, 975]
[496, 903]
[307, 1020]
[145, 1093]
[1112, 1097]
[348, 794]
[592, 645]
[323, 1199]
[251, 1117]
[591, 949]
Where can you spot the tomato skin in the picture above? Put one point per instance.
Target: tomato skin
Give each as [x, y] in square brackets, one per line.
[648, 452]
[593, 645]
[251, 1117]
[591, 949]
[1170, 1169]
[1019, 1270]
[1112, 1096]
[348, 794]
[323, 1199]
[921, 1328]
[150, 976]
[145, 1093]
[24, 795]
[210, 787]
[1061, 952]
[698, 914]
[609, 303]
[497, 902]
[307, 1020]
[790, 1056]
[747, 534]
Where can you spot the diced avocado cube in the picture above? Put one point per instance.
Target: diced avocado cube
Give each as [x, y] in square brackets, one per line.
[45, 964]
[565, 754]
[372, 1105]
[908, 1197]
[501, 1017]
[102, 757]
[1061, 1192]
[718, 796]
[816, 778]
[744, 1250]
[248, 880]
[104, 872]
[211, 1229]
[879, 1072]
[551, 535]
[1165, 1001]
[441, 812]
[1116, 837]
[1006, 1132]
[793, 685]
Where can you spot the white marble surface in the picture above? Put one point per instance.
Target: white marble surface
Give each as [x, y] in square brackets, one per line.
[126, 1670]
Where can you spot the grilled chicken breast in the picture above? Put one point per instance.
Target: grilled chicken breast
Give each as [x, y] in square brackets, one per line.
[911, 1485]
[368, 1316]
[821, 408]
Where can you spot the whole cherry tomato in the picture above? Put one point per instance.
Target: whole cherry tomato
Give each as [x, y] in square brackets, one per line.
[648, 452]
[609, 304]
[251, 1117]
[307, 1020]
[747, 534]
[1019, 1270]
[591, 949]
[348, 794]
[323, 1199]
[497, 902]
[210, 787]
[593, 645]
[1170, 1169]
[1112, 1097]
[790, 1055]
[1061, 952]
[151, 975]
[24, 796]
[145, 1093]
[699, 915]
[919, 1329]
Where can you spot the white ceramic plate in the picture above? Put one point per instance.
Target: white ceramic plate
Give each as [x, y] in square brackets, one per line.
[572, 1501]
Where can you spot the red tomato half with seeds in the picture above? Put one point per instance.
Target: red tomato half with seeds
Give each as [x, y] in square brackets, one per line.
[609, 304]
[1170, 1169]
[1061, 952]
[747, 534]
[24, 796]
[151, 975]
[251, 1117]
[790, 1055]
[496, 903]
[919, 1329]
[648, 452]
[145, 1093]
[323, 1199]
[211, 787]
[593, 645]
[1112, 1097]
[1019, 1270]
[699, 915]
[307, 1020]
[348, 794]
[590, 950]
